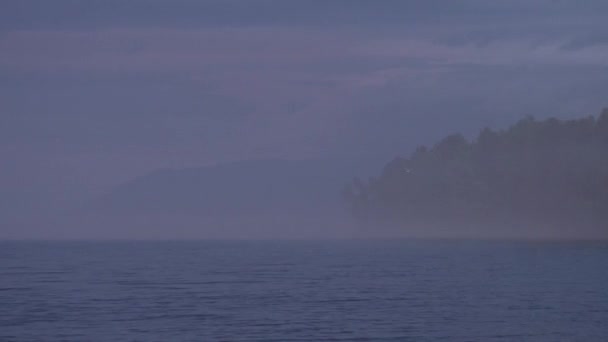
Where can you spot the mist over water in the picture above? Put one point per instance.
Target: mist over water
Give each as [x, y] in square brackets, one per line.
[156, 119]
[315, 170]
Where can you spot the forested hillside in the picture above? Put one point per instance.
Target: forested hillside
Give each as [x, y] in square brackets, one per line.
[550, 171]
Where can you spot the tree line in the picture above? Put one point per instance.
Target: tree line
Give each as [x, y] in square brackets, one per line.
[552, 171]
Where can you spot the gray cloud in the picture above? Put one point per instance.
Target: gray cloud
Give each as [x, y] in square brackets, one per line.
[98, 111]
[95, 92]
[73, 14]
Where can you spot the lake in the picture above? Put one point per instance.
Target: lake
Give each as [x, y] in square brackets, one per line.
[367, 290]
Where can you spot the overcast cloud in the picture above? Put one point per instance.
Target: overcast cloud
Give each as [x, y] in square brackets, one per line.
[93, 93]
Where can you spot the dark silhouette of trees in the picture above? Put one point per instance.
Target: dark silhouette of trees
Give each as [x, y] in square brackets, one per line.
[538, 171]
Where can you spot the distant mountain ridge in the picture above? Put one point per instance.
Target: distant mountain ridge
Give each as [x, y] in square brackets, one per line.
[249, 187]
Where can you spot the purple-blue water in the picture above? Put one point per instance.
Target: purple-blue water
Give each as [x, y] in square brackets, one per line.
[405, 290]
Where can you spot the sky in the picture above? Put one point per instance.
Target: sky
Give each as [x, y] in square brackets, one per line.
[94, 93]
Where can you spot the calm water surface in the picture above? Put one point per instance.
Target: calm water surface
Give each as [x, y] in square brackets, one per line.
[304, 291]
